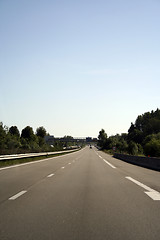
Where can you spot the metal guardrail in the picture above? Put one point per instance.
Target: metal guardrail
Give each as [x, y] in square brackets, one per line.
[28, 155]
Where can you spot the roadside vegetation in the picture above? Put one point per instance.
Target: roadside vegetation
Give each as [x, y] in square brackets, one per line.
[143, 137]
[12, 141]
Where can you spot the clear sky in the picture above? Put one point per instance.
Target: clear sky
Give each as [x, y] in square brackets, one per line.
[76, 67]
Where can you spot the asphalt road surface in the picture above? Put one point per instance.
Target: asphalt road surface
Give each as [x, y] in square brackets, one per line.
[86, 195]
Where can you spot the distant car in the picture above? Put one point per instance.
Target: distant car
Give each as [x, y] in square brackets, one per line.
[90, 146]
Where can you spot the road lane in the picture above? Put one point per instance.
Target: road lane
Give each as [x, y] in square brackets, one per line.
[149, 177]
[13, 180]
[86, 200]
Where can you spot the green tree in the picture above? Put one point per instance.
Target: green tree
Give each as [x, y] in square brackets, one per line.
[142, 131]
[112, 142]
[102, 139]
[2, 131]
[25, 145]
[13, 143]
[145, 124]
[14, 131]
[152, 148]
[122, 146]
[135, 134]
[2, 138]
[133, 148]
[58, 146]
[151, 145]
[67, 141]
[28, 134]
[41, 132]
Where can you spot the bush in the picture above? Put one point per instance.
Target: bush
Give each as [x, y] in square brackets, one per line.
[152, 148]
[133, 148]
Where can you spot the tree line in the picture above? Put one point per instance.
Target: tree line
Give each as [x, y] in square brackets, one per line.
[143, 137]
[12, 141]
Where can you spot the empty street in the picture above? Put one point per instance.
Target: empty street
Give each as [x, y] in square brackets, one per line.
[86, 195]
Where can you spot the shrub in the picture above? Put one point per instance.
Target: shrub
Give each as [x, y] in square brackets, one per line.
[152, 148]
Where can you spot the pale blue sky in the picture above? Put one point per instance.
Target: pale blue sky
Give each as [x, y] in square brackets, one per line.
[75, 67]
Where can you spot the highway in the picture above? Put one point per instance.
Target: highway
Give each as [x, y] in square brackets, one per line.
[85, 195]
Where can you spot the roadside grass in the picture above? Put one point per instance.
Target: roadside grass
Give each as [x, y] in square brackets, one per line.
[6, 163]
[111, 152]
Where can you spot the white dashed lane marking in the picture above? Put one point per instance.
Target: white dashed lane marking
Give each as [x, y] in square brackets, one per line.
[17, 195]
[109, 163]
[153, 194]
[50, 175]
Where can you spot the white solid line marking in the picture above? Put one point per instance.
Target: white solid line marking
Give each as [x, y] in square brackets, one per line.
[17, 195]
[155, 195]
[100, 156]
[51, 175]
[109, 163]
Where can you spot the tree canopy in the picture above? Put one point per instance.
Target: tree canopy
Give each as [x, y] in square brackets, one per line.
[11, 141]
[102, 138]
[143, 136]
[14, 131]
[27, 133]
[41, 132]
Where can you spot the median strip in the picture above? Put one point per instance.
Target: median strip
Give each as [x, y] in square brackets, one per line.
[28, 161]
